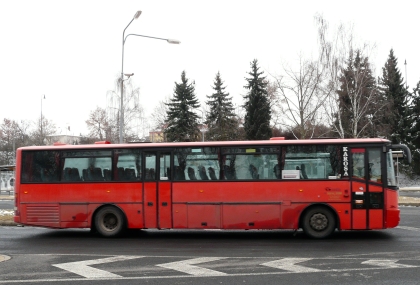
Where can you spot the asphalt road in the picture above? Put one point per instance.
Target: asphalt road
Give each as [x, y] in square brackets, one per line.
[6, 204]
[39, 256]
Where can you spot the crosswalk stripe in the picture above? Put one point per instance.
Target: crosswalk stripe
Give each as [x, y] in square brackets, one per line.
[187, 266]
[289, 264]
[409, 228]
[388, 263]
[82, 268]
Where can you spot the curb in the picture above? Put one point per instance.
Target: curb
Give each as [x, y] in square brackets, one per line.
[409, 188]
[409, 204]
[8, 224]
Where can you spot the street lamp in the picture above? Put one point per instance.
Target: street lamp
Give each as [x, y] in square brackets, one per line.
[203, 127]
[124, 38]
[41, 115]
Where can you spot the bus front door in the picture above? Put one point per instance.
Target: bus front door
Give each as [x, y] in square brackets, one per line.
[367, 189]
[157, 198]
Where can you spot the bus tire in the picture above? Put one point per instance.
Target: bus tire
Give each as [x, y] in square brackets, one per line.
[109, 221]
[319, 222]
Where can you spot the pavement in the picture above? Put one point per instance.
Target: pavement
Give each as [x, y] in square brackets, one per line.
[7, 197]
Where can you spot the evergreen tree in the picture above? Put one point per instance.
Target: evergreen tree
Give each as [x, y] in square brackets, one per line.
[181, 120]
[392, 88]
[221, 121]
[359, 101]
[257, 106]
[413, 137]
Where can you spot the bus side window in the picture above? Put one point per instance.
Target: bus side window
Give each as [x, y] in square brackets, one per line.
[193, 163]
[127, 166]
[212, 173]
[277, 171]
[191, 173]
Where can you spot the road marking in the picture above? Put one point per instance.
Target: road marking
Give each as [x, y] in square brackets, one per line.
[4, 257]
[388, 263]
[409, 228]
[171, 277]
[187, 267]
[82, 267]
[289, 264]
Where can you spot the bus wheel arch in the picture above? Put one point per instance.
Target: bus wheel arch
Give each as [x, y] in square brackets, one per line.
[109, 220]
[319, 221]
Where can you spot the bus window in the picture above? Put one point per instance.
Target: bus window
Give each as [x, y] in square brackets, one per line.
[128, 166]
[150, 166]
[85, 165]
[40, 166]
[165, 169]
[358, 162]
[375, 165]
[390, 171]
[251, 163]
[199, 163]
[313, 161]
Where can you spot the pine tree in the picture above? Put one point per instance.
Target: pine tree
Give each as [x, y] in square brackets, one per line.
[182, 124]
[359, 102]
[413, 136]
[257, 106]
[392, 88]
[221, 121]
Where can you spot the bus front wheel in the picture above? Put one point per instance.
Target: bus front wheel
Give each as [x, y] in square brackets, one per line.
[109, 221]
[318, 222]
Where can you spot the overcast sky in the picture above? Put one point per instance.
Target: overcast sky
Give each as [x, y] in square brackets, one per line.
[71, 50]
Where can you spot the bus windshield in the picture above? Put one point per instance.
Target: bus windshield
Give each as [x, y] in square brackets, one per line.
[392, 181]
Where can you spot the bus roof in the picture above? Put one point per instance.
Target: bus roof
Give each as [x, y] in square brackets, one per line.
[211, 143]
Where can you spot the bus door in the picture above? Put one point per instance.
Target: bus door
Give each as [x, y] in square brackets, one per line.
[367, 188]
[157, 198]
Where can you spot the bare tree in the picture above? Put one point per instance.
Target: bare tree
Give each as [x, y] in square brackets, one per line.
[159, 113]
[100, 127]
[9, 137]
[135, 123]
[300, 95]
[337, 50]
[43, 129]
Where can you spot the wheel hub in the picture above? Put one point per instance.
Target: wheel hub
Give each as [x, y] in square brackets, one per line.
[319, 222]
[110, 222]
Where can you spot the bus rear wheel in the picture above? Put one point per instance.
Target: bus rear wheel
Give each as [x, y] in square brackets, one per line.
[319, 222]
[109, 221]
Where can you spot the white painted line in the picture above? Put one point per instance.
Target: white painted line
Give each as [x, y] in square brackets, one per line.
[409, 228]
[387, 263]
[289, 264]
[82, 268]
[187, 267]
[170, 277]
[4, 257]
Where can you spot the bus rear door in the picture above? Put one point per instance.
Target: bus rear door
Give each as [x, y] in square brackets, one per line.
[157, 198]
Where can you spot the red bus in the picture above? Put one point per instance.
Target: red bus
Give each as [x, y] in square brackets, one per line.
[318, 185]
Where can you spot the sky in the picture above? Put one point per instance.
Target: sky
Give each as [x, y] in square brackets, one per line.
[71, 51]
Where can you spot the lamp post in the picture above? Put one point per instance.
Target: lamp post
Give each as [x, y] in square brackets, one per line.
[124, 38]
[41, 116]
[203, 127]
